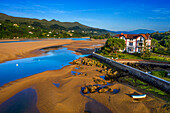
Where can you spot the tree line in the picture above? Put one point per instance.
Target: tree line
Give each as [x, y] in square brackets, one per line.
[161, 43]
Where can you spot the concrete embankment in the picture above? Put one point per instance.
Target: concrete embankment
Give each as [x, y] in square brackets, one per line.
[155, 81]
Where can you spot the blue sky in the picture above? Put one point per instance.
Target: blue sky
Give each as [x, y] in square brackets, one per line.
[113, 15]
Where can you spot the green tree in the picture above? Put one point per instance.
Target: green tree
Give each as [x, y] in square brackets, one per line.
[108, 35]
[114, 44]
[56, 26]
[37, 24]
[154, 43]
[146, 52]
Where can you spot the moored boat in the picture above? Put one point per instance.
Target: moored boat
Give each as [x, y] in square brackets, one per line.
[138, 96]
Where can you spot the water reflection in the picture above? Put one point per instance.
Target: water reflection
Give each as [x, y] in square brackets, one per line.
[53, 60]
[23, 102]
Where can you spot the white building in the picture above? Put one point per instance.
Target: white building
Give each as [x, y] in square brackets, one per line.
[135, 42]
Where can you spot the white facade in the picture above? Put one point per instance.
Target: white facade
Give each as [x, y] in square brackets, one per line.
[135, 45]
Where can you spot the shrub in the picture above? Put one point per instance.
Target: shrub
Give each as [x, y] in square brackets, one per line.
[160, 73]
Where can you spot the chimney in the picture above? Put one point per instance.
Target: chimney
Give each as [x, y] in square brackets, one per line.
[121, 33]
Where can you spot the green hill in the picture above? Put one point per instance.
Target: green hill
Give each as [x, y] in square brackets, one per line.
[47, 24]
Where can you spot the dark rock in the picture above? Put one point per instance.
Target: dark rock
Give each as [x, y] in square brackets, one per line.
[104, 89]
[85, 90]
[110, 89]
[91, 88]
[101, 71]
[99, 81]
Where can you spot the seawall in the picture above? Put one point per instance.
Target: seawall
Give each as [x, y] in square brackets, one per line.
[153, 80]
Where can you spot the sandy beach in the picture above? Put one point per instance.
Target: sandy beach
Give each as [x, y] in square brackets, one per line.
[10, 51]
[68, 97]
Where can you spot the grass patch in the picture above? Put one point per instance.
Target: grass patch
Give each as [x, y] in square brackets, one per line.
[135, 56]
[146, 87]
[161, 74]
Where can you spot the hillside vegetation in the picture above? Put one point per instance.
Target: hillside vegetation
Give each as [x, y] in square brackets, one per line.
[161, 43]
[16, 27]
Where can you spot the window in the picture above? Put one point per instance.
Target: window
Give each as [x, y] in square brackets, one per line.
[130, 49]
[131, 39]
[140, 44]
[139, 50]
[130, 43]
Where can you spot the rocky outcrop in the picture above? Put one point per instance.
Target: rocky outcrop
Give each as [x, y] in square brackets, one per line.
[99, 81]
[96, 88]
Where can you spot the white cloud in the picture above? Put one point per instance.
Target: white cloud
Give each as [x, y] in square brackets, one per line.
[159, 18]
[162, 11]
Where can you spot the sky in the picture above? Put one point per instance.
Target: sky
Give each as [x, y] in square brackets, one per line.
[115, 15]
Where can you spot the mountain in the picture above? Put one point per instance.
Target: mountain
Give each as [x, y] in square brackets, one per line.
[138, 31]
[46, 23]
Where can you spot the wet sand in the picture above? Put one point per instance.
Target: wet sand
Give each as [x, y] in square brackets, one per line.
[11, 51]
[7, 40]
[67, 98]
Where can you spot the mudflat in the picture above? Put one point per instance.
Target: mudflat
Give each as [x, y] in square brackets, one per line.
[68, 98]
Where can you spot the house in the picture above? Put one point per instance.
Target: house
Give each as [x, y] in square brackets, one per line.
[16, 25]
[135, 42]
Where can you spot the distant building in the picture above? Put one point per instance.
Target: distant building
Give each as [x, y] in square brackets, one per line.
[30, 32]
[15, 25]
[135, 42]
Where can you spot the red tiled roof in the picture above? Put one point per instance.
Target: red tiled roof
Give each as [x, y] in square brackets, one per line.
[133, 36]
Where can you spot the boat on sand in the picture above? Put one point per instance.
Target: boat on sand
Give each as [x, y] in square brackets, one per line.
[138, 96]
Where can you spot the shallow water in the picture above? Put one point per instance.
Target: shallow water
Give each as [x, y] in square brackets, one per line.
[23, 102]
[53, 60]
[57, 84]
[43, 38]
[77, 68]
[76, 38]
[74, 73]
[68, 38]
[20, 41]
[103, 77]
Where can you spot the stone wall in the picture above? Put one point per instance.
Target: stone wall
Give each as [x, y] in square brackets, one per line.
[155, 81]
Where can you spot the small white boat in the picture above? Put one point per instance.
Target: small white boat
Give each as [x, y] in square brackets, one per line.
[138, 96]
